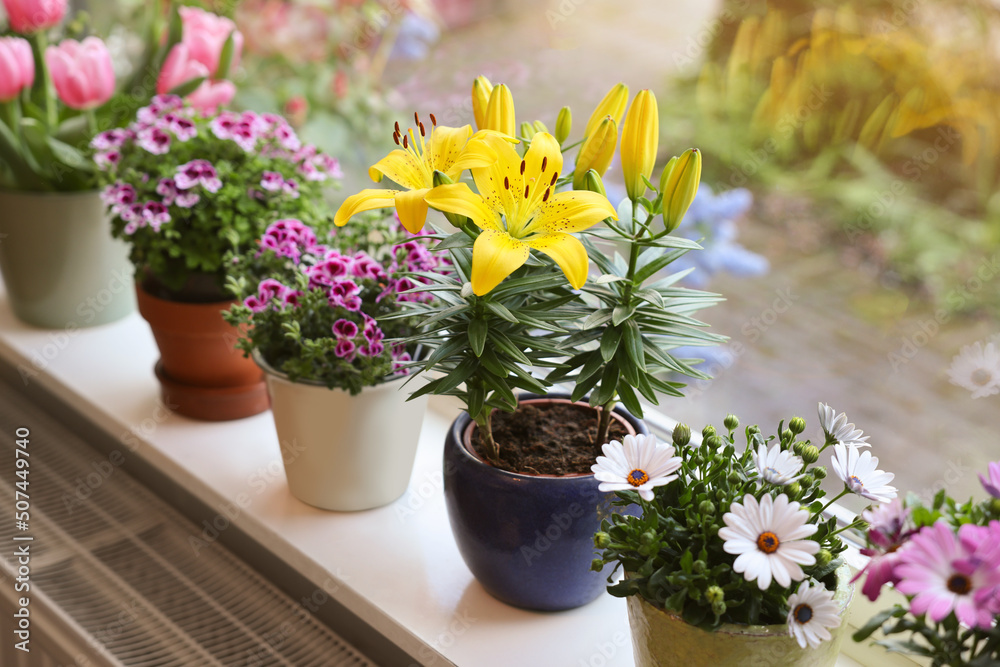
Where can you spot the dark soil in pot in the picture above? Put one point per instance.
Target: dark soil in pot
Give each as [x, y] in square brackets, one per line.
[547, 438]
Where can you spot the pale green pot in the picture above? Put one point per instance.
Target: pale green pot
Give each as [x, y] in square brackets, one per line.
[61, 267]
[662, 639]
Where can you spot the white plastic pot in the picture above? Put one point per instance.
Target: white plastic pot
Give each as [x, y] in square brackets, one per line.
[343, 452]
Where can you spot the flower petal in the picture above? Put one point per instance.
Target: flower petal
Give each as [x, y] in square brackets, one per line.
[403, 168]
[412, 209]
[571, 212]
[458, 198]
[495, 256]
[366, 200]
[567, 252]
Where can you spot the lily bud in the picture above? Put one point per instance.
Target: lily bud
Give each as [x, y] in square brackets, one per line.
[500, 111]
[640, 139]
[481, 89]
[540, 127]
[597, 151]
[564, 123]
[679, 185]
[528, 130]
[594, 183]
[613, 105]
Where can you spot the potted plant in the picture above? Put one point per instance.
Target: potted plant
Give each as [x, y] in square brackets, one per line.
[520, 494]
[185, 188]
[944, 557]
[60, 266]
[730, 559]
[312, 315]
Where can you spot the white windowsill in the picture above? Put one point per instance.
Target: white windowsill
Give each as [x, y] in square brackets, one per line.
[396, 567]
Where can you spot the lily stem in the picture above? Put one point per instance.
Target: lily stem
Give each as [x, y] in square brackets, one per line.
[603, 426]
[486, 435]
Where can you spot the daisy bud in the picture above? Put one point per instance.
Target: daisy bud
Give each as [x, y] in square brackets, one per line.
[995, 506]
[734, 478]
[714, 442]
[602, 540]
[564, 123]
[640, 138]
[715, 594]
[698, 567]
[597, 565]
[823, 557]
[798, 447]
[793, 490]
[682, 435]
[732, 422]
[720, 494]
[797, 425]
[819, 472]
[706, 507]
[708, 431]
[753, 430]
[787, 436]
[648, 538]
[719, 608]
[810, 453]
[481, 89]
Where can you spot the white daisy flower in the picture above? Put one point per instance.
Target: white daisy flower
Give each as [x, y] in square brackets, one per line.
[641, 464]
[776, 466]
[837, 429]
[977, 368]
[811, 612]
[858, 470]
[768, 539]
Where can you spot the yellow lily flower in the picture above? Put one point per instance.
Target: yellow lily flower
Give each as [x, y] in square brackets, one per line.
[518, 209]
[411, 166]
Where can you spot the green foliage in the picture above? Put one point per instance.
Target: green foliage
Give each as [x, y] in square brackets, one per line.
[672, 553]
[196, 238]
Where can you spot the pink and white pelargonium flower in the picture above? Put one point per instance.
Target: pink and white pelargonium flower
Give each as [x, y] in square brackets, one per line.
[154, 140]
[195, 173]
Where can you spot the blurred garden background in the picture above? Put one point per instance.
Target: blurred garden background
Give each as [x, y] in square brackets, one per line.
[849, 209]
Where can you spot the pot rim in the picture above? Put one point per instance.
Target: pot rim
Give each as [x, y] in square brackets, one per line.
[843, 595]
[221, 305]
[269, 370]
[51, 194]
[466, 440]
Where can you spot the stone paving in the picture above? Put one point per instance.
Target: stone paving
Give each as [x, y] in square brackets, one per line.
[840, 323]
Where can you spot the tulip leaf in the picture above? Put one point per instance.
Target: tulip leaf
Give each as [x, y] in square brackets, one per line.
[609, 342]
[226, 57]
[23, 170]
[185, 89]
[478, 329]
[68, 155]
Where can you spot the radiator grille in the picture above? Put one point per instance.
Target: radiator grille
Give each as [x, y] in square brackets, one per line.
[117, 563]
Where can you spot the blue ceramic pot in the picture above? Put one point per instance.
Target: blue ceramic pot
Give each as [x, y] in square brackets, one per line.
[528, 539]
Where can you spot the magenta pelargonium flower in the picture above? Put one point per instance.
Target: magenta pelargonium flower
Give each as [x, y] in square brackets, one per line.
[153, 140]
[992, 484]
[197, 172]
[272, 181]
[345, 349]
[943, 575]
[345, 329]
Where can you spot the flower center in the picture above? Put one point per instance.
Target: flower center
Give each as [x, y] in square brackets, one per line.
[772, 471]
[803, 614]
[768, 542]
[981, 377]
[637, 477]
[855, 482]
[959, 584]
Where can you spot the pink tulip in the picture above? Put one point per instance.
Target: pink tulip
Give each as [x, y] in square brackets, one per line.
[179, 68]
[81, 72]
[17, 67]
[211, 95]
[28, 16]
[205, 34]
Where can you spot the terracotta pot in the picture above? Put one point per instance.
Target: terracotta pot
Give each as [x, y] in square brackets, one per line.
[528, 539]
[60, 266]
[341, 452]
[201, 373]
[661, 638]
